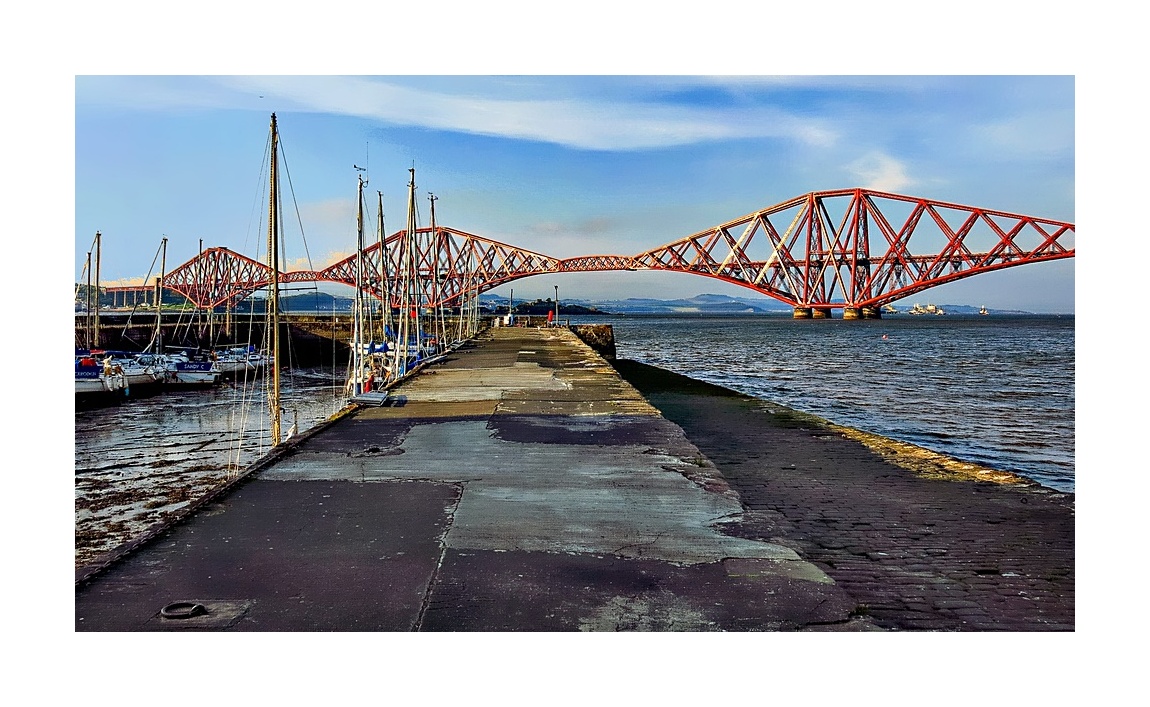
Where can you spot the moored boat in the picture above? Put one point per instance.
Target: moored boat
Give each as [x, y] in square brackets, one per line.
[191, 368]
[98, 383]
[240, 361]
[141, 377]
[367, 369]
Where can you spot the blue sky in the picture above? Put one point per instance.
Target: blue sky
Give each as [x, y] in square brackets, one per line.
[563, 165]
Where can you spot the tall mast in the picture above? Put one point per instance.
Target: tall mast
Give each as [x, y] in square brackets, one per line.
[409, 297]
[436, 293]
[208, 312]
[384, 281]
[88, 303]
[273, 293]
[160, 295]
[97, 318]
[357, 325]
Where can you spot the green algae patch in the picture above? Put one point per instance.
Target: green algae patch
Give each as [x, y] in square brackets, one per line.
[925, 463]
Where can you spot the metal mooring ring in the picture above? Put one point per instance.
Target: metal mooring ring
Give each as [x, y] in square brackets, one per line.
[183, 610]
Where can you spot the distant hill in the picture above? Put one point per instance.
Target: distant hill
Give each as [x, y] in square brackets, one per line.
[699, 304]
[320, 302]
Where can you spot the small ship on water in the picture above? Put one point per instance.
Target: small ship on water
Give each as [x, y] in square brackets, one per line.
[918, 309]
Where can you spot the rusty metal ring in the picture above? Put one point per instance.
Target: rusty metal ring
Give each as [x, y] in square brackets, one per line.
[183, 610]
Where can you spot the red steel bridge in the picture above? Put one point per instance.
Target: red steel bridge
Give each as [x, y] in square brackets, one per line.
[854, 249]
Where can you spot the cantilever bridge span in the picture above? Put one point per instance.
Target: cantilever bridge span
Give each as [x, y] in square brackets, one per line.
[855, 249]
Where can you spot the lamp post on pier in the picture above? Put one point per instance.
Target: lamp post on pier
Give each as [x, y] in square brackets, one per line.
[557, 305]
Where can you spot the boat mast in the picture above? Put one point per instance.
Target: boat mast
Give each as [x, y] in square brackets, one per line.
[208, 312]
[384, 282]
[273, 292]
[88, 303]
[160, 295]
[96, 340]
[409, 297]
[436, 289]
[357, 315]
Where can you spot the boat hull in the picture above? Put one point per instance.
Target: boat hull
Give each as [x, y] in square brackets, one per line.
[193, 373]
[95, 388]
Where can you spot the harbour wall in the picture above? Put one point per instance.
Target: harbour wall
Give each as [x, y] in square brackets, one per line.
[312, 339]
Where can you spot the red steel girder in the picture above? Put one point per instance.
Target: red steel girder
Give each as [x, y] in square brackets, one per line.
[839, 248]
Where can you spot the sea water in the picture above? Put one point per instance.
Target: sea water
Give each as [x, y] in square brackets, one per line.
[994, 390]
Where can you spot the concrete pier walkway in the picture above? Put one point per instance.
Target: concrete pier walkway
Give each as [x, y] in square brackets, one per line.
[523, 485]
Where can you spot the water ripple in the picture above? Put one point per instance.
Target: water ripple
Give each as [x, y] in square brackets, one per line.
[995, 391]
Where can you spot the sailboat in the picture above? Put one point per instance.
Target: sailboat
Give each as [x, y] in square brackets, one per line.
[144, 372]
[415, 347]
[182, 366]
[367, 365]
[97, 383]
[245, 407]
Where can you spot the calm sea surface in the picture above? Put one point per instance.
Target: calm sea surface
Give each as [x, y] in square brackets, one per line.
[997, 391]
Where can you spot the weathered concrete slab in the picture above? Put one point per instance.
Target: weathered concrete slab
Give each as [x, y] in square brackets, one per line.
[522, 485]
[277, 556]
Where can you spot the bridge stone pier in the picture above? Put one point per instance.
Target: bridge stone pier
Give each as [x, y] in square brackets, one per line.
[812, 313]
[862, 313]
[849, 313]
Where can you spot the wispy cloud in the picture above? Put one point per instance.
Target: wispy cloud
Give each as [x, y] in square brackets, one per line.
[877, 170]
[574, 122]
[580, 122]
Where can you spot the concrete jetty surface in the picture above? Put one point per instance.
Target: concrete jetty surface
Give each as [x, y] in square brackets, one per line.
[522, 485]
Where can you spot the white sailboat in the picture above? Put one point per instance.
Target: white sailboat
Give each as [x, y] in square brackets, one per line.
[366, 374]
[240, 361]
[143, 375]
[184, 367]
[97, 383]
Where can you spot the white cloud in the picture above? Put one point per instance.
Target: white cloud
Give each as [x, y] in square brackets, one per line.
[579, 122]
[575, 122]
[877, 170]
